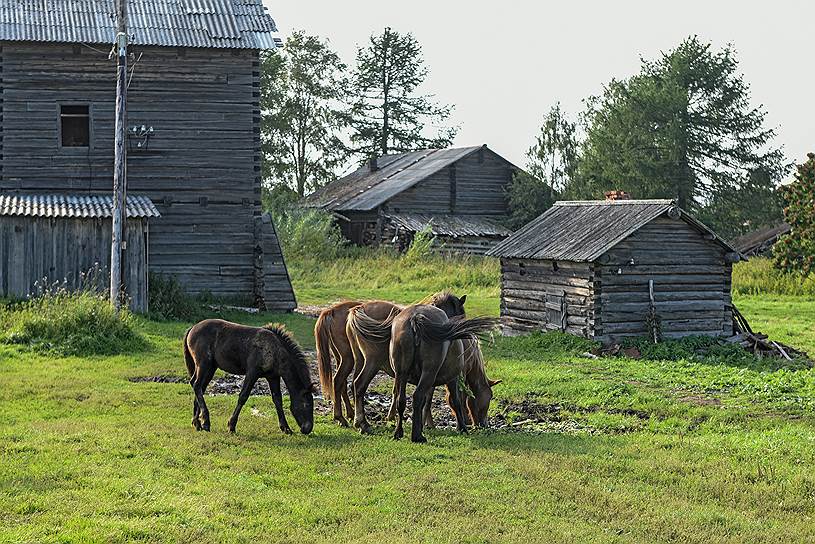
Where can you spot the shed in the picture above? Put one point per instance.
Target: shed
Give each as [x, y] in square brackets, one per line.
[592, 268]
[193, 144]
[459, 193]
[760, 242]
[64, 238]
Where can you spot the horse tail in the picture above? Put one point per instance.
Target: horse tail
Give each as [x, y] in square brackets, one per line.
[322, 338]
[188, 356]
[455, 328]
[369, 329]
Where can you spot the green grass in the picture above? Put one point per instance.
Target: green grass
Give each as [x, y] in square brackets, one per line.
[385, 275]
[677, 447]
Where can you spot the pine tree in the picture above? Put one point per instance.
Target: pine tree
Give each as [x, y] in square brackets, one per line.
[387, 114]
[682, 128]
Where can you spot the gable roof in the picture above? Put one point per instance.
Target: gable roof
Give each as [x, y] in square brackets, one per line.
[239, 24]
[584, 230]
[363, 190]
[66, 205]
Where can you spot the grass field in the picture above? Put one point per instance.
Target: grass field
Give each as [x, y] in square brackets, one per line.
[678, 448]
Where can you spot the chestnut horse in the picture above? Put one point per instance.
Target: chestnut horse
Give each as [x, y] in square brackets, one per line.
[438, 359]
[331, 339]
[258, 352]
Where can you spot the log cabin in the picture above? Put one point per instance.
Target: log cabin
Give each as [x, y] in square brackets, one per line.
[193, 146]
[615, 268]
[458, 194]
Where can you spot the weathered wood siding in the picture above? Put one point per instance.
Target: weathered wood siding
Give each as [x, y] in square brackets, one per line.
[202, 166]
[36, 249]
[546, 295]
[481, 184]
[473, 185]
[431, 195]
[691, 283]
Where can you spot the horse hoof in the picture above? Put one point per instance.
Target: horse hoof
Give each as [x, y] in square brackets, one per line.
[418, 439]
[205, 427]
[397, 435]
[341, 421]
[366, 430]
[286, 430]
[196, 424]
[231, 430]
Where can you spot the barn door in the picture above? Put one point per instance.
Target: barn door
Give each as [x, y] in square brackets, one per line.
[555, 310]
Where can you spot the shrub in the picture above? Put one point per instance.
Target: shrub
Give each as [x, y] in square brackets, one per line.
[169, 301]
[421, 248]
[795, 252]
[307, 233]
[69, 323]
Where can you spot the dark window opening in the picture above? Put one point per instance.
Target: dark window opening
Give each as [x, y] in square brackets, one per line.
[75, 126]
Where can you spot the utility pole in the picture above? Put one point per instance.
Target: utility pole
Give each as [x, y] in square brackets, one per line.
[120, 158]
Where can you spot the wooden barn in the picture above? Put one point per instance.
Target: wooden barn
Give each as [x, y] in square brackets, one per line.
[193, 128]
[63, 238]
[460, 194]
[599, 269]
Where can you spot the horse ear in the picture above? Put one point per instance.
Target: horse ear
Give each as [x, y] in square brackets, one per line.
[462, 299]
[493, 383]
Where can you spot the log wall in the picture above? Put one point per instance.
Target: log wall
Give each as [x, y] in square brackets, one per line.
[201, 167]
[64, 250]
[691, 283]
[547, 295]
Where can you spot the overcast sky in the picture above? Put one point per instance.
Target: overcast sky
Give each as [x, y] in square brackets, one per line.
[504, 63]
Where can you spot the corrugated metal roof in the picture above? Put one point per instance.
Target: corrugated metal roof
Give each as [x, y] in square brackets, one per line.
[451, 225]
[363, 190]
[240, 24]
[584, 230]
[65, 205]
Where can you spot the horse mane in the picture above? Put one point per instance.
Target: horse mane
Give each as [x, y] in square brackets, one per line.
[439, 299]
[294, 350]
[473, 357]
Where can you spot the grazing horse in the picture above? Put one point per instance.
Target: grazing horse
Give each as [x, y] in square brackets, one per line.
[258, 352]
[425, 348]
[331, 338]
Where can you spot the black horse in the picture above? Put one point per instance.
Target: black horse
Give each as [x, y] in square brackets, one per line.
[258, 352]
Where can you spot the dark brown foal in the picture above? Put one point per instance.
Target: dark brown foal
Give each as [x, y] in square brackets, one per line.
[257, 352]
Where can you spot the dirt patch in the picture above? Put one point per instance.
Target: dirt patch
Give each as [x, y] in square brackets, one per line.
[159, 379]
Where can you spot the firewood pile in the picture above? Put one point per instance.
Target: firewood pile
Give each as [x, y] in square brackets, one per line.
[759, 343]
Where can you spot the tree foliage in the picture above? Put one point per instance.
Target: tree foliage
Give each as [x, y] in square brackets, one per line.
[551, 168]
[796, 251]
[682, 128]
[387, 114]
[301, 94]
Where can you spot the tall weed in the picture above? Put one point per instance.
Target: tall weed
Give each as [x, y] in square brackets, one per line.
[64, 322]
[307, 233]
[758, 276]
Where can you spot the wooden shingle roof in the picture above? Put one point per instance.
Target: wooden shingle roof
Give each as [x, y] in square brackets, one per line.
[452, 225]
[582, 231]
[238, 24]
[364, 190]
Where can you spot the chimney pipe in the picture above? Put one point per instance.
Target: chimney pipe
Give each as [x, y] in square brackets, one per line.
[617, 195]
[373, 165]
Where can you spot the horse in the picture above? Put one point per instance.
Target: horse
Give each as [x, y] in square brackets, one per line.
[258, 352]
[424, 349]
[331, 338]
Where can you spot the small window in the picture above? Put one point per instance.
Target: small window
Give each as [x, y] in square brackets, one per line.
[75, 126]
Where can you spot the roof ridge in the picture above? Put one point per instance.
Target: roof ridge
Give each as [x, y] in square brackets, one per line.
[613, 202]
